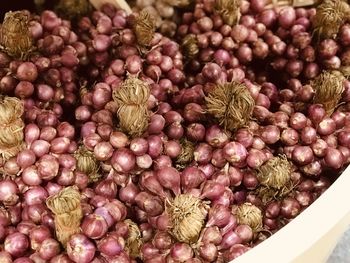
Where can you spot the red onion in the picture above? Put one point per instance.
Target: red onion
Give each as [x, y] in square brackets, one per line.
[229, 239]
[151, 205]
[333, 158]
[31, 133]
[98, 201]
[25, 158]
[53, 188]
[218, 215]
[203, 153]
[344, 35]
[308, 135]
[80, 249]
[195, 132]
[102, 211]
[239, 33]
[212, 190]
[169, 178]
[191, 177]
[217, 159]
[244, 232]
[211, 71]
[290, 207]
[16, 244]
[344, 138]
[139, 146]
[181, 252]
[144, 161]
[111, 245]
[128, 193]
[255, 158]
[270, 134]
[103, 151]
[40, 147]
[49, 248]
[208, 252]
[27, 71]
[286, 17]
[25, 227]
[149, 251]
[155, 145]
[118, 139]
[327, 48]
[326, 127]
[304, 198]
[172, 149]
[319, 148]
[289, 137]
[298, 121]
[35, 195]
[302, 155]
[244, 54]
[116, 209]
[162, 240]
[48, 167]
[150, 183]
[94, 226]
[106, 188]
[235, 153]
[5, 257]
[162, 161]
[212, 235]
[59, 145]
[123, 160]
[11, 166]
[272, 210]
[8, 192]
[216, 137]
[316, 113]
[305, 94]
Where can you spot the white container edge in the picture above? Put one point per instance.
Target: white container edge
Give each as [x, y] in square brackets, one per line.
[312, 235]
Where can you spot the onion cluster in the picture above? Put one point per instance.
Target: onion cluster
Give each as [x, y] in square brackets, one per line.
[123, 140]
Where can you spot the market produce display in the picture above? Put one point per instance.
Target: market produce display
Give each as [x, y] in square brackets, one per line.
[187, 131]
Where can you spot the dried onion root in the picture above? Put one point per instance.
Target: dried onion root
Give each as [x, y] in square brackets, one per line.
[11, 126]
[186, 156]
[328, 88]
[134, 241]
[66, 207]
[133, 119]
[187, 214]
[275, 180]
[132, 91]
[330, 15]
[251, 215]
[144, 28]
[132, 97]
[275, 172]
[15, 36]
[87, 163]
[72, 9]
[190, 46]
[231, 104]
[229, 10]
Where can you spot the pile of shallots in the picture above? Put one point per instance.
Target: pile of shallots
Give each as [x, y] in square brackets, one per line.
[127, 138]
